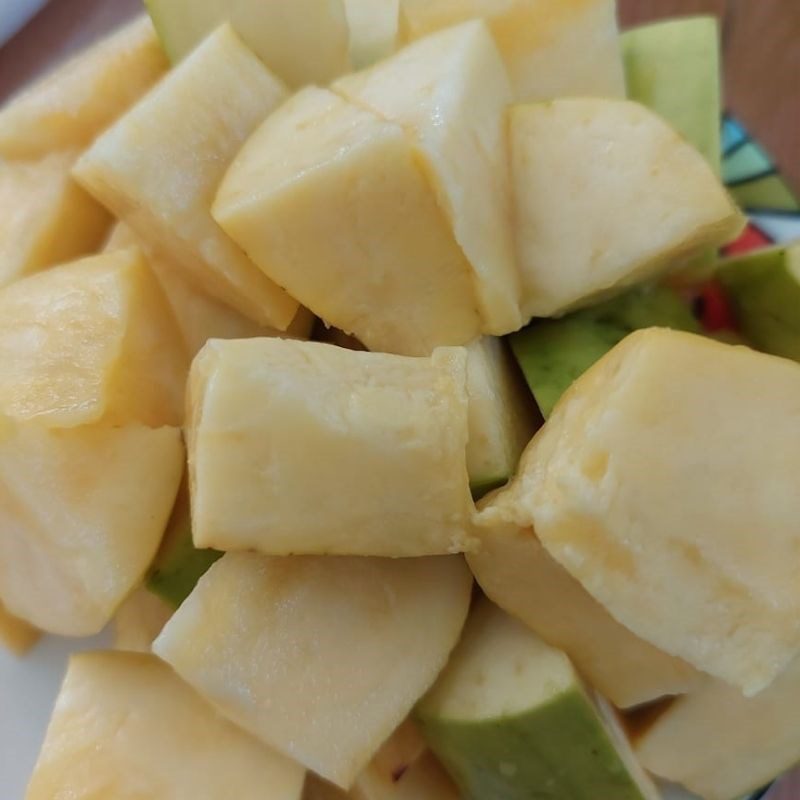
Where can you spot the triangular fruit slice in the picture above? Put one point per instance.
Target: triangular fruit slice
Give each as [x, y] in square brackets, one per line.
[89, 341]
[157, 169]
[510, 718]
[451, 91]
[322, 658]
[69, 107]
[126, 726]
[82, 513]
[607, 195]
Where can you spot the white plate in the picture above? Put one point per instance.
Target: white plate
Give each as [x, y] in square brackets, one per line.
[14, 14]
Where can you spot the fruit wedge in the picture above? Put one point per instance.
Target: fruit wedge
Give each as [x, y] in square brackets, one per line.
[72, 105]
[641, 486]
[139, 620]
[16, 634]
[502, 416]
[518, 574]
[125, 726]
[374, 30]
[322, 658]
[552, 48]
[720, 744]
[45, 217]
[82, 513]
[334, 203]
[510, 718]
[451, 91]
[91, 341]
[305, 448]
[612, 195]
[302, 42]
[158, 167]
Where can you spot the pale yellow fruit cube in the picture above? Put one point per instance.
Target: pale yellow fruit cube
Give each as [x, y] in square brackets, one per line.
[321, 658]
[126, 727]
[82, 516]
[374, 29]
[607, 195]
[158, 167]
[552, 48]
[302, 447]
[451, 91]
[139, 620]
[665, 482]
[71, 105]
[333, 203]
[89, 341]
[16, 634]
[45, 217]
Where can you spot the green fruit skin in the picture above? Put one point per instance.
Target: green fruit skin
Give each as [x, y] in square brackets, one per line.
[480, 487]
[554, 353]
[764, 290]
[559, 751]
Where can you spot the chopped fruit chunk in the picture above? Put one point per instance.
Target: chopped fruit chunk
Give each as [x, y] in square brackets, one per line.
[16, 634]
[374, 29]
[139, 620]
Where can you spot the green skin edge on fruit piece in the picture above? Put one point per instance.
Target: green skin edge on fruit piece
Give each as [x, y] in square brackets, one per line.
[554, 353]
[179, 565]
[482, 487]
[559, 750]
[764, 291]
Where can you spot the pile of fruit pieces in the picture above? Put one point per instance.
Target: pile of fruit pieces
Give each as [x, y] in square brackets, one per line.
[325, 273]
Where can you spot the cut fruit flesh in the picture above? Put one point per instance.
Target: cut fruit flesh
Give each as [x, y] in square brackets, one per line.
[16, 634]
[322, 658]
[374, 30]
[333, 203]
[125, 726]
[157, 168]
[139, 620]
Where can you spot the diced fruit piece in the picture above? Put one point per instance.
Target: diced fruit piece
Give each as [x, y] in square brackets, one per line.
[388, 476]
[179, 564]
[139, 620]
[641, 485]
[517, 573]
[552, 48]
[451, 92]
[45, 217]
[333, 203]
[764, 290]
[125, 726]
[610, 194]
[374, 29]
[88, 341]
[16, 634]
[317, 789]
[400, 751]
[554, 353]
[322, 658]
[304, 41]
[69, 107]
[502, 417]
[82, 514]
[673, 67]
[157, 168]
[722, 745]
[425, 779]
[510, 718]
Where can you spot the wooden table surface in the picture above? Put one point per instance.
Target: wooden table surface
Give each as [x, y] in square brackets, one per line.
[762, 74]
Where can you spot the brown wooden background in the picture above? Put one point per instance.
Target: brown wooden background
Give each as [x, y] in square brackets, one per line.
[762, 74]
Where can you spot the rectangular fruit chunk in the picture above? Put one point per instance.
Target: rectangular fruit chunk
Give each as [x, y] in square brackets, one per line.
[502, 416]
[322, 658]
[89, 341]
[610, 193]
[125, 726]
[510, 718]
[641, 484]
[374, 30]
[306, 448]
[82, 513]
[72, 105]
[518, 574]
[451, 92]
[720, 744]
[45, 217]
[552, 48]
[16, 634]
[673, 67]
[139, 620]
[157, 168]
[333, 203]
[302, 41]
[554, 353]
[764, 290]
